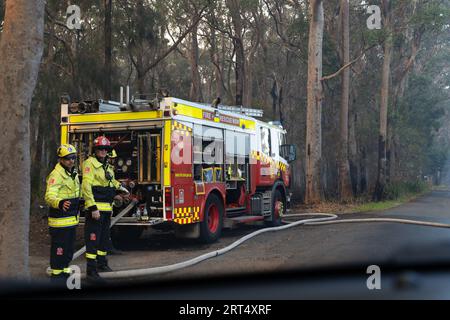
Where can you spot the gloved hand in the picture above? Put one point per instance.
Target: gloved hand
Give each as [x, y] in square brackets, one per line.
[124, 190]
[64, 205]
[94, 212]
[96, 215]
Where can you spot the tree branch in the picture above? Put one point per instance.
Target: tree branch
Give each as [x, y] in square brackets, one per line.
[331, 76]
[175, 45]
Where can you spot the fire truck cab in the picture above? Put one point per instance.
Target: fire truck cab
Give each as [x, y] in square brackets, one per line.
[195, 167]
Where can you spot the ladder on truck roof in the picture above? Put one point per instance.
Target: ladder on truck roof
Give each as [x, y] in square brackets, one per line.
[256, 113]
[141, 103]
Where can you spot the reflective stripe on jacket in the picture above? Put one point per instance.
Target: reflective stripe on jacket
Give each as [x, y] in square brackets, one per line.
[97, 189]
[63, 222]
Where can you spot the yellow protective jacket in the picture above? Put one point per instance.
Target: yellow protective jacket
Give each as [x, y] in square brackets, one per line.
[98, 185]
[62, 186]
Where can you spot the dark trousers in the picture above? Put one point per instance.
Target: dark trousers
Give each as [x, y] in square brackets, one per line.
[97, 234]
[61, 249]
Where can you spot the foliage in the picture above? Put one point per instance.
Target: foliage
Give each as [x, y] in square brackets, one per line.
[275, 40]
[398, 190]
[416, 120]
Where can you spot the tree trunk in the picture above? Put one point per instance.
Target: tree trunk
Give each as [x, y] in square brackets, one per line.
[223, 54]
[345, 190]
[382, 155]
[353, 148]
[196, 90]
[233, 6]
[139, 63]
[280, 105]
[248, 99]
[263, 92]
[21, 49]
[314, 104]
[239, 71]
[108, 50]
[140, 74]
[273, 94]
[77, 91]
[215, 58]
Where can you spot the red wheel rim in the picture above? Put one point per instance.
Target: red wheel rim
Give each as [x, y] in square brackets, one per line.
[278, 209]
[213, 218]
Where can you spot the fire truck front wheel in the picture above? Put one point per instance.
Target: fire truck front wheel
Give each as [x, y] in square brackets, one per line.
[211, 226]
[278, 209]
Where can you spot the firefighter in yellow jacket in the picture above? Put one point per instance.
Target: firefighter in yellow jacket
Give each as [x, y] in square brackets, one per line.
[99, 189]
[63, 197]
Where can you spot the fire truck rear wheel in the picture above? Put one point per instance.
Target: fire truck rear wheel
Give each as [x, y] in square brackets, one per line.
[278, 209]
[211, 226]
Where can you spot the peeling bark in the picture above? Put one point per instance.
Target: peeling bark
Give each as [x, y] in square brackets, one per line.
[314, 104]
[196, 85]
[386, 71]
[345, 191]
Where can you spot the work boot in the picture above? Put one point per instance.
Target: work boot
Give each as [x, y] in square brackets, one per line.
[102, 264]
[93, 276]
[104, 268]
[114, 251]
[58, 280]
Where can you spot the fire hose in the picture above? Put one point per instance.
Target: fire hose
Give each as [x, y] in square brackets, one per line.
[326, 218]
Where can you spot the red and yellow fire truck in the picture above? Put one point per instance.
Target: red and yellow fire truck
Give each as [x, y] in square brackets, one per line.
[195, 167]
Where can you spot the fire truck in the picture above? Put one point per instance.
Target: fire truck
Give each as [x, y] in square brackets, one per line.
[193, 167]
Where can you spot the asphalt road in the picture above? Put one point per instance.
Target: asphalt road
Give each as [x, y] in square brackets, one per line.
[301, 247]
[305, 246]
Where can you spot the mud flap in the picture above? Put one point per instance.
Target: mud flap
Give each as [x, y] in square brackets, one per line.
[187, 231]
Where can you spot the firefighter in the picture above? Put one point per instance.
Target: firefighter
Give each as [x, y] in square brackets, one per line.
[99, 187]
[112, 156]
[63, 197]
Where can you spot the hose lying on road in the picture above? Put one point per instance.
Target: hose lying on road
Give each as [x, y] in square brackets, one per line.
[404, 221]
[326, 219]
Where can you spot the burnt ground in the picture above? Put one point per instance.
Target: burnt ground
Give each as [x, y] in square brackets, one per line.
[298, 247]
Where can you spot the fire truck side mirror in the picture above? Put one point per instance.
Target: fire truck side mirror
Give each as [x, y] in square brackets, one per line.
[288, 152]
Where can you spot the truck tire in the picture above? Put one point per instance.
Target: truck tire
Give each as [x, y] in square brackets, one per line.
[211, 226]
[278, 210]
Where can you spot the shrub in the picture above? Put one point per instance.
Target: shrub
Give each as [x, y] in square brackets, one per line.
[396, 190]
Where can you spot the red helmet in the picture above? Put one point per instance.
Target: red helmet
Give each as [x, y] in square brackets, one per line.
[101, 142]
